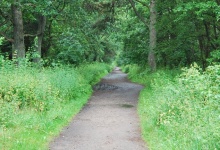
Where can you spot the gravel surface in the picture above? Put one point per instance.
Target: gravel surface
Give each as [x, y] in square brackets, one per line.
[109, 121]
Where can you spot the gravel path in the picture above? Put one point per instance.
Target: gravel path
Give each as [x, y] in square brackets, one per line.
[108, 122]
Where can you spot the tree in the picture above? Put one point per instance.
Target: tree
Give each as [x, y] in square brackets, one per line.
[203, 16]
[18, 32]
[152, 29]
[153, 36]
[186, 32]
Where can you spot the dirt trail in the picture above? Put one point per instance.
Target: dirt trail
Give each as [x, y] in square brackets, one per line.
[109, 121]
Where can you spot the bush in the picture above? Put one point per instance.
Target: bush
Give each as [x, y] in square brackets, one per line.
[91, 73]
[42, 99]
[181, 112]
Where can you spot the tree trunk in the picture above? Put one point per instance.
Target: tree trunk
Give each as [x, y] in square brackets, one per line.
[153, 36]
[201, 46]
[40, 33]
[18, 32]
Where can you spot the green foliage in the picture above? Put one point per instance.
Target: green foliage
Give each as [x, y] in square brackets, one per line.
[187, 32]
[180, 111]
[215, 57]
[92, 73]
[201, 9]
[88, 31]
[134, 36]
[202, 20]
[82, 39]
[72, 33]
[1, 40]
[36, 102]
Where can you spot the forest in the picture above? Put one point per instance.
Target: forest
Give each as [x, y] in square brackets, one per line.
[53, 51]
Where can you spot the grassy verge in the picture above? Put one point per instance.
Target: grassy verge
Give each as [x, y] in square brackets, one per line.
[179, 111]
[35, 104]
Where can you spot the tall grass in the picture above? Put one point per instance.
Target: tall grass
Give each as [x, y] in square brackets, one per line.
[36, 103]
[180, 111]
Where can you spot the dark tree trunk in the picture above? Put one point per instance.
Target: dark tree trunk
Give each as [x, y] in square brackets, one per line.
[208, 45]
[153, 36]
[18, 32]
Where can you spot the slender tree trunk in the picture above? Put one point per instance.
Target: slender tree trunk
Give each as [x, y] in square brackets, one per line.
[40, 33]
[208, 37]
[153, 36]
[215, 30]
[201, 42]
[18, 32]
[201, 46]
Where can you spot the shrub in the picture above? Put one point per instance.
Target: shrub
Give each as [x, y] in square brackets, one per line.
[41, 99]
[181, 112]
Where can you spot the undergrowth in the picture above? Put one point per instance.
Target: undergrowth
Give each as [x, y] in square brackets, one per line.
[35, 103]
[179, 110]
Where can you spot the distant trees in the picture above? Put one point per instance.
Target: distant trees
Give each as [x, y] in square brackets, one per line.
[18, 37]
[186, 32]
[191, 33]
[204, 16]
[69, 31]
[154, 32]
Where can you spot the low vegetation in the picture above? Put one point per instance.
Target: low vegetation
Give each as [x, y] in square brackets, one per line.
[36, 103]
[179, 110]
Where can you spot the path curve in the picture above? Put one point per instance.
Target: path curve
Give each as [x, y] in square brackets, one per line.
[109, 121]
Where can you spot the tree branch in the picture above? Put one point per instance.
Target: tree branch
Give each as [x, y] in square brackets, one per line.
[8, 39]
[58, 11]
[3, 23]
[137, 13]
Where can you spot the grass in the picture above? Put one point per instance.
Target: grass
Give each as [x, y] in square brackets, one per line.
[33, 130]
[35, 104]
[179, 110]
